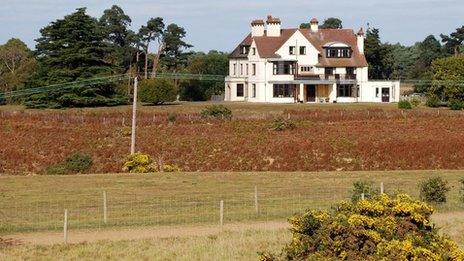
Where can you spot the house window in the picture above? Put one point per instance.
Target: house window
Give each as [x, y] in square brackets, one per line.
[253, 90]
[350, 70]
[240, 90]
[329, 70]
[283, 90]
[253, 69]
[283, 68]
[291, 50]
[235, 69]
[377, 92]
[347, 90]
[306, 68]
[302, 50]
[241, 69]
[344, 52]
[247, 71]
[244, 49]
[253, 51]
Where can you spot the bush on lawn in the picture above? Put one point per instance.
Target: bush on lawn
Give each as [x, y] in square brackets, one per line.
[433, 190]
[281, 124]
[383, 228]
[220, 112]
[360, 187]
[157, 91]
[76, 163]
[404, 104]
[415, 101]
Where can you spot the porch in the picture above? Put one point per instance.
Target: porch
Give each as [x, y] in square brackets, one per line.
[315, 93]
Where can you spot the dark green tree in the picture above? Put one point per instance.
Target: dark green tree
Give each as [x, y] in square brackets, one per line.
[174, 55]
[448, 78]
[213, 63]
[72, 49]
[115, 27]
[332, 23]
[378, 55]
[152, 31]
[454, 42]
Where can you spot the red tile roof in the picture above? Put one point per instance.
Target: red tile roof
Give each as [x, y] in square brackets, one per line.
[268, 46]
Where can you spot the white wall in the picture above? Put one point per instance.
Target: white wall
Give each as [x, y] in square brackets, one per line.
[368, 91]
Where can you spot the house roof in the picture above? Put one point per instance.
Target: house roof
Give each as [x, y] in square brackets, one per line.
[268, 46]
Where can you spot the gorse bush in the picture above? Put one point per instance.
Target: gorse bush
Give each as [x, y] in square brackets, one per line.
[383, 228]
[281, 124]
[144, 163]
[404, 104]
[172, 117]
[360, 187]
[217, 112]
[433, 101]
[415, 101]
[76, 163]
[433, 190]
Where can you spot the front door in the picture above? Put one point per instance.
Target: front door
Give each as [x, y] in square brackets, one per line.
[310, 93]
[385, 94]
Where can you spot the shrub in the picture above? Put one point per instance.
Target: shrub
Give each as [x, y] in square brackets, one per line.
[76, 163]
[433, 101]
[415, 101]
[281, 124]
[461, 190]
[172, 117]
[170, 168]
[139, 163]
[383, 228]
[157, 91]
[360, 187]
[217, 112]
[456, 105]
[433, 190]
[404, 104]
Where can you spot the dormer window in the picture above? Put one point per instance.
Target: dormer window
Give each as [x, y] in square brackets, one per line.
[338, 52]
[244, 49]
[253, 51]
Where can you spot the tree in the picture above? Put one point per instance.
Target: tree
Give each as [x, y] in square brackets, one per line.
[329, 23]
[332, 23]
[115, 27]
[152, 31]
[213, 63]
[378, 55]
[17, 64]
[454, 41]
[174, 46]
[448, 78]
[157, 91]
[71, 49]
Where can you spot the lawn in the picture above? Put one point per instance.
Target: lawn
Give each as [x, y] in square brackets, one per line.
[327, 137]
[37, 203]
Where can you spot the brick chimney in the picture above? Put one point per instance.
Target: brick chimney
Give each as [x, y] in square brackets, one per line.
[273, 26]
[314, 25]
[257, 28]
[360, 37]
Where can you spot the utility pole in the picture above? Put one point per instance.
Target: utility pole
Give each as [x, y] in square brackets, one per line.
[134, 107]
[134, 115]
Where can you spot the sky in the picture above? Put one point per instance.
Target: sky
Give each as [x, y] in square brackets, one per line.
[221, 25]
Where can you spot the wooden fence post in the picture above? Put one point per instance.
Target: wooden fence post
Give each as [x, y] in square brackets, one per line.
[105, 210]
[221, 212]
[256, 200]
[362, 196]
[381, 188]
[65, 226]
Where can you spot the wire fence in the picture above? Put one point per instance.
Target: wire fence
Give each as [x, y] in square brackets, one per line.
[32, 211]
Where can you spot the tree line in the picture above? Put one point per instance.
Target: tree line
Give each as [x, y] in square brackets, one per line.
[79, 47]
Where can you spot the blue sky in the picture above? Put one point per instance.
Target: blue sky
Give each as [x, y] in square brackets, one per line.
[220, 25]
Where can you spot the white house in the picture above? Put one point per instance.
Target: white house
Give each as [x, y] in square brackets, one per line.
[303, 65]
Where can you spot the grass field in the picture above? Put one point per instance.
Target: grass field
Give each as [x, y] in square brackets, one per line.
[327, 137]
[37, 203]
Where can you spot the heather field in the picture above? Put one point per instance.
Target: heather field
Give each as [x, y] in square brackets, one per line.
[326, 138]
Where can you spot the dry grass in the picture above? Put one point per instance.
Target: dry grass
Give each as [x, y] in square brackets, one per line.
[223, 246]
[37, 202]
[327, 137]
